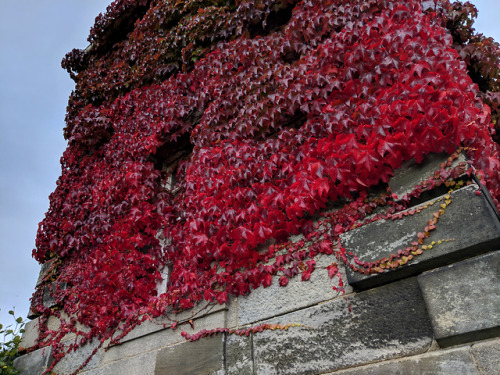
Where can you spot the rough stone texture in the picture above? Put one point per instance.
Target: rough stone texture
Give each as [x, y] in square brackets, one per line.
[74, 359]
[384, 323]
[482, 358]
[238, 354]
[264, 303]
[30, 335]
[201, 357]
[34, 363]
[48, 299]
[44, 271]
[162, 338]
[411, 174]
[463, 299]
[149, 327]
[31, 314]
[487, 196]
[487, 356]
[388, 330]
[142, 364]
[450, 362]
[469, 220]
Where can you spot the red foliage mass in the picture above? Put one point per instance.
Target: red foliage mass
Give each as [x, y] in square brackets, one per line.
[289, 106]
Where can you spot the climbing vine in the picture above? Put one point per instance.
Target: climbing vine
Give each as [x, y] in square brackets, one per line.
[285, 107]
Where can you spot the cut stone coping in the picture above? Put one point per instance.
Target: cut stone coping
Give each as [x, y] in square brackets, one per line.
[463, 299]
[469, 222]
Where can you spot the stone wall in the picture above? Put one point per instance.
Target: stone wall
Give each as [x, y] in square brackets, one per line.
[437, 314]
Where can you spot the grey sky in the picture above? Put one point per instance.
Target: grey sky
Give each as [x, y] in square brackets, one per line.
[34, 89]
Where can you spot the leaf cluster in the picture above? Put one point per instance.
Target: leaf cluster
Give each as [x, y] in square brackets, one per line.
[9, 347]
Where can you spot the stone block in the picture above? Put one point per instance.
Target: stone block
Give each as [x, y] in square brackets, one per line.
[451, 362]
[463, 299]
[379, 324]
[48, 294]
[48, 298]
[203, 357]
[46, 269]
[34, 363]
[162, 338]
[31, 314]
[264, 303]
[54, 323]
[143, 364]
[469, 222]
[30, 335]
[74, 359]
[487, 356]
[238, 355]
[486, 194]
[157, 324]
[412, 173]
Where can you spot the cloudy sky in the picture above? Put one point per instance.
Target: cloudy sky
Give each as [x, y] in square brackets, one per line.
[34, 37]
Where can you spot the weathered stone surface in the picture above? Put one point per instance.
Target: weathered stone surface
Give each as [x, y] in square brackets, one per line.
[384, 323]
[469, 220]
[264, 303]
[411, 174]
[48, 292]
[31, 314]
[463, 299]
[30, 335]
[238, 354]
[451, 362]
[487, 195]
[74, 359]
[149, 327]
[48, 299]
[483, 358]
[201, 357]
[162, 338]
[45, 269]
[54, 323]
[142, 364]
[487, 356]
[34, 363]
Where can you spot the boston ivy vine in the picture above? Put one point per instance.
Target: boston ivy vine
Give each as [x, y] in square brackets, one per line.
[288, 107]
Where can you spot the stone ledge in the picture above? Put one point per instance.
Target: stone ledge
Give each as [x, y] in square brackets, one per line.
[411, 173]
[469, 220]
[463, 299]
